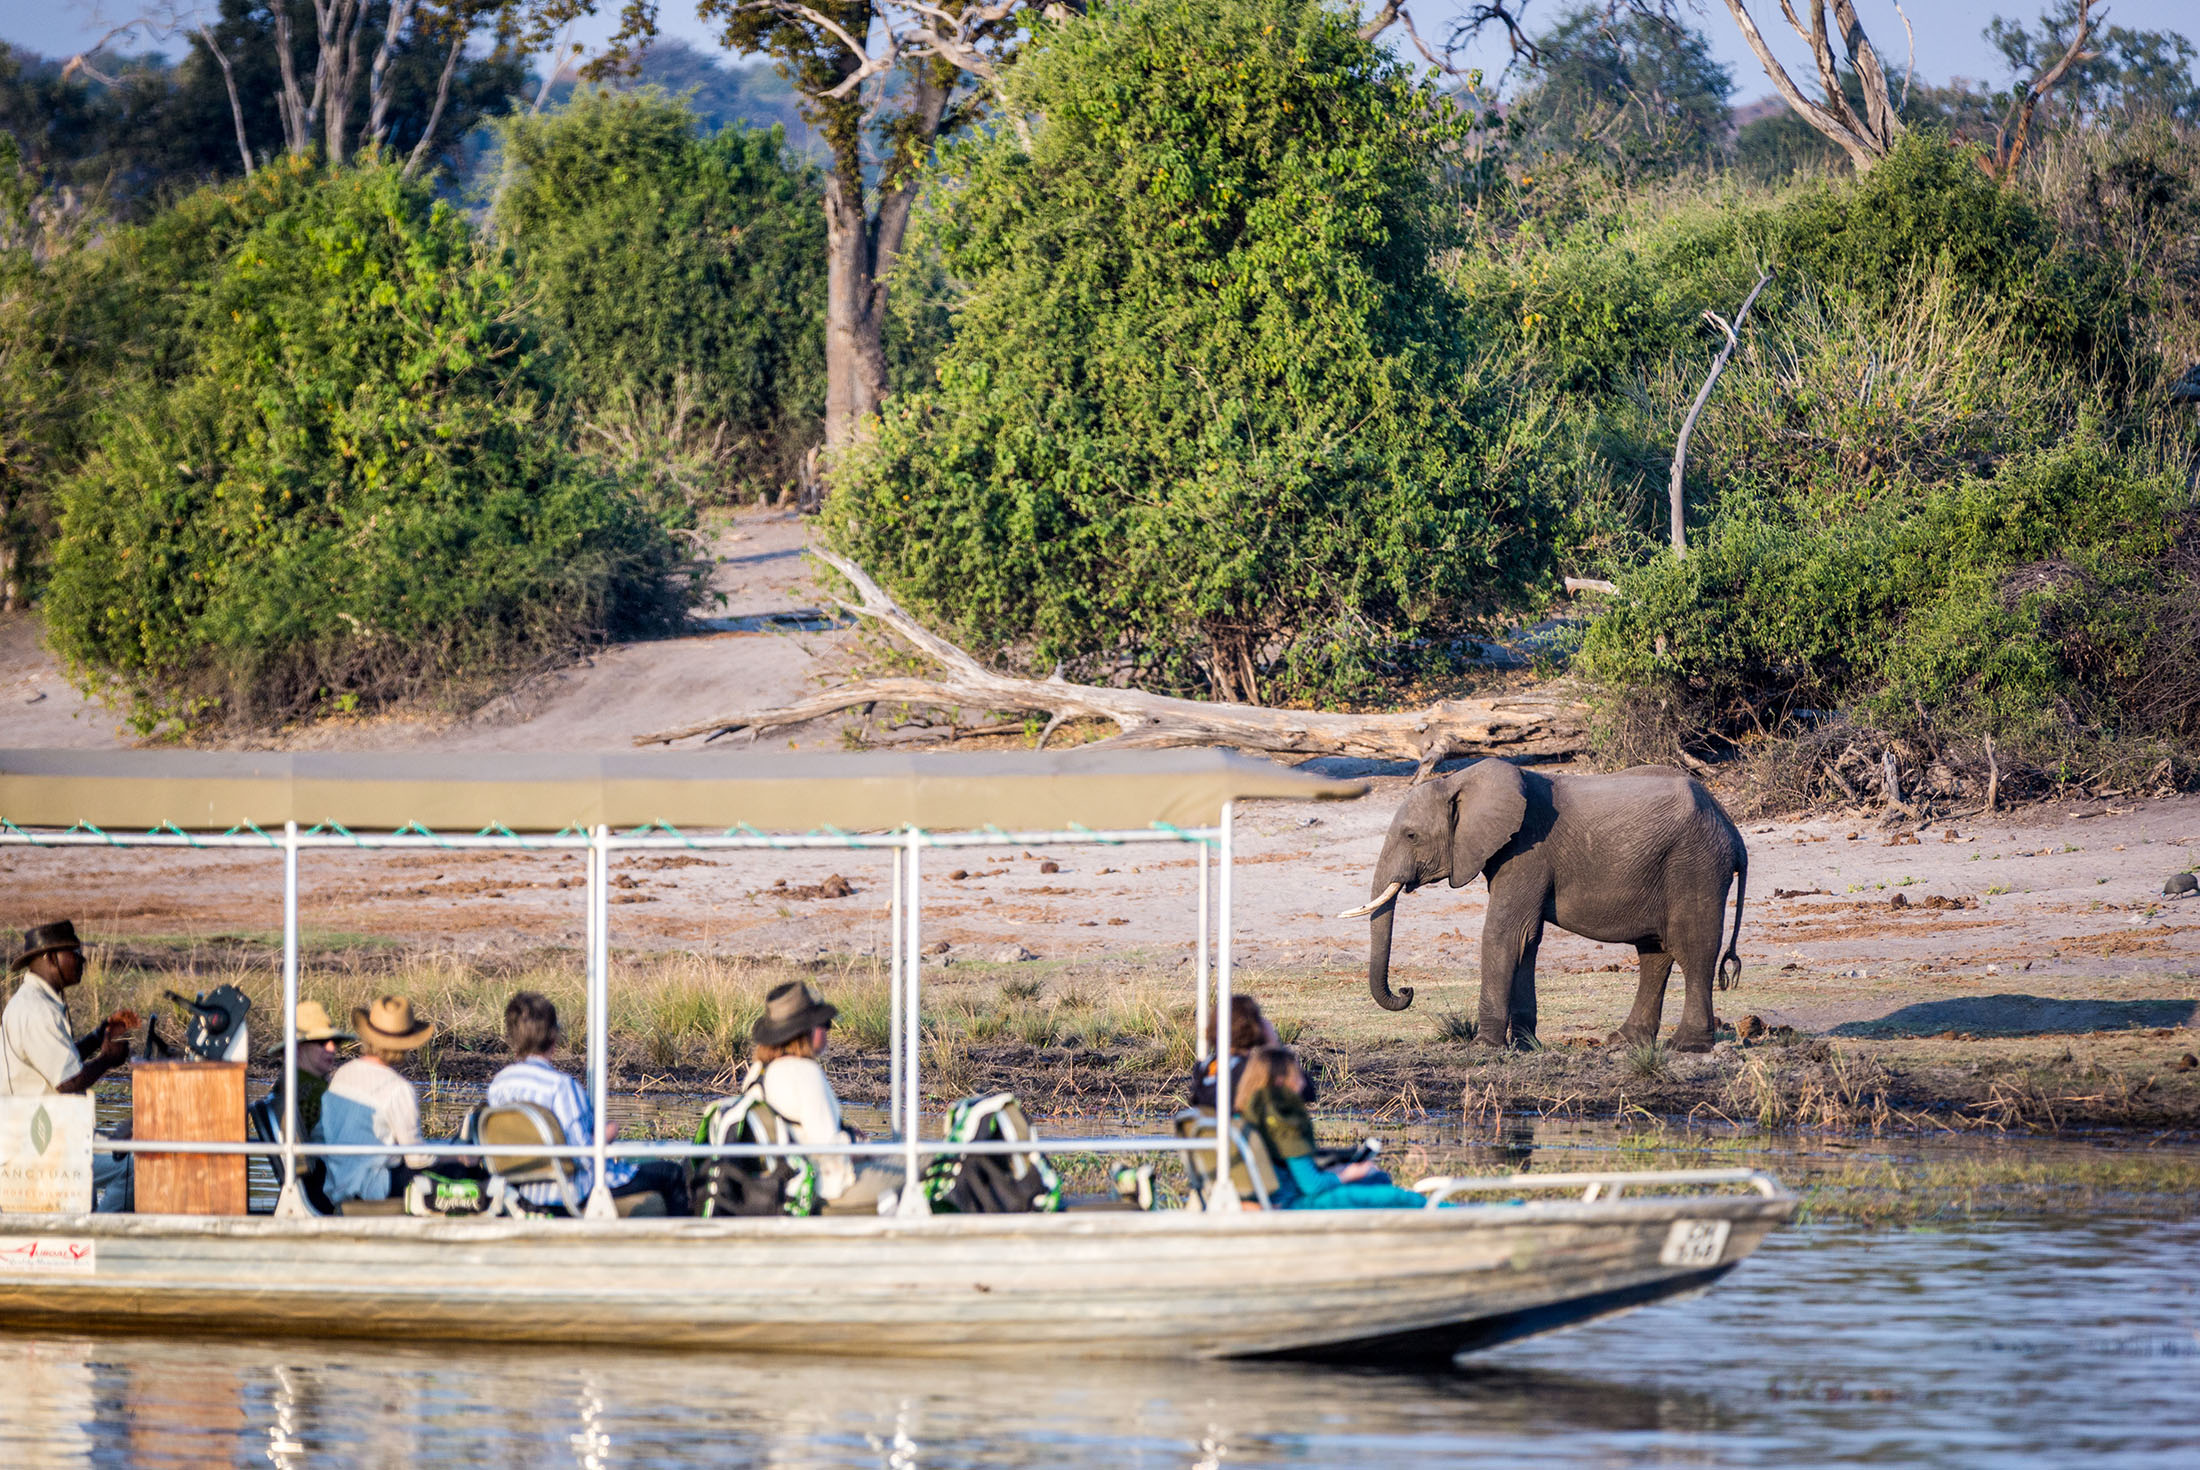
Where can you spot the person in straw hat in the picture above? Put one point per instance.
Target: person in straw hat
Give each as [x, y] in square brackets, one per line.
[38, 1056]
[317, 1062]
[790, 1036]
[370, 1101]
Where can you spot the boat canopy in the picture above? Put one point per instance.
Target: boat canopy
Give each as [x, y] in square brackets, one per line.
[766, 791]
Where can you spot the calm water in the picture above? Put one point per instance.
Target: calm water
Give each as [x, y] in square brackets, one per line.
[2038, 1344]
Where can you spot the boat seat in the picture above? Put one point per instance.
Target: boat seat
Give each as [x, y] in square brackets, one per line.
[1253, 1176]
[394, 1205]
[521, 1125]
[264, 1124]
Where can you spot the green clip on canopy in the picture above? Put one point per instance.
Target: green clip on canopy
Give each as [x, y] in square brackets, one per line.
[769, 791]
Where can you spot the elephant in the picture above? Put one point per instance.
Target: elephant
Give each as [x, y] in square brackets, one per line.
[1642, 856]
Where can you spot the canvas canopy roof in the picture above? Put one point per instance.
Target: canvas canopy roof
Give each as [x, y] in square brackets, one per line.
[698, 790]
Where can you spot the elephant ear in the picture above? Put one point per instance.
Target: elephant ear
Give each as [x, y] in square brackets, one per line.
[1487, 808]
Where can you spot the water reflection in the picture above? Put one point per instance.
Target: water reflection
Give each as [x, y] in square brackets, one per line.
[2044, 1344]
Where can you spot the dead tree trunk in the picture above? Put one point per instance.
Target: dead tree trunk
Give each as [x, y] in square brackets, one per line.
[1517, 724]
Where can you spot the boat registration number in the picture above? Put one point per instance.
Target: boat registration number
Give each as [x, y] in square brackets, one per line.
[1694, 1243]
[47, 1255]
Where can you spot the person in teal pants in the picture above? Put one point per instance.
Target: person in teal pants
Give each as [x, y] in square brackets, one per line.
[1271, 1105]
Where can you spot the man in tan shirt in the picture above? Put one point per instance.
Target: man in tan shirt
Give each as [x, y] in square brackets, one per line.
[38, 1056]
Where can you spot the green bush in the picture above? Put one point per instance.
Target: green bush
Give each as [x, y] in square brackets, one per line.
[1209, 419]
[2016, 604]
[685, 273]
[358, 489]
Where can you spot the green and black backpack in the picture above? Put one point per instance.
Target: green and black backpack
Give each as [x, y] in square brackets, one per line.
[778, 1184]
[991, 1184]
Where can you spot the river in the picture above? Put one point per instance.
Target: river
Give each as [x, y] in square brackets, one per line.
[2043, 1343]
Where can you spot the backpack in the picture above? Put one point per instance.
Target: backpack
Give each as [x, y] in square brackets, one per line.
[780, 1184]
[991, 1184]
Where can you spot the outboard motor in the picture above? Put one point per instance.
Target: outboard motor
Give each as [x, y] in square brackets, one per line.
[217, 1031]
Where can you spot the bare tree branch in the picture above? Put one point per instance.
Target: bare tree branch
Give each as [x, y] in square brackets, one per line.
[1540, 724]
[1679, 509]
[442, 96]
[236, 107]
[2016, 125]
[1865, 139]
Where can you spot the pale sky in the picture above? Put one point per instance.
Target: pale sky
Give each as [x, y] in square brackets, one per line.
[1949, 39]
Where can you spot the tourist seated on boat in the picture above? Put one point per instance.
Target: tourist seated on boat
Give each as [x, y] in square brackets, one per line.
[38, 1056]
[1249, 1031]
[531, 1030]
[318, 1059]
[789, 1038]
[369, 1101]
[1272, 1108]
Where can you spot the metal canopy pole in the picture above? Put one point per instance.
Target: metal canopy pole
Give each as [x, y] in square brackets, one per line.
[912, 1012]
[599, 1205]
[290, 1201]
[1199, 1019]
[893, 1026]
[1225, 1193]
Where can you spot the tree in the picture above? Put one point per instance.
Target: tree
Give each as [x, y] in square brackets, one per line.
[1637, 92]
[882, 82]
[358, 487]
[2120, 70]
[685, 273]
[1866, 133]
[1210, 419]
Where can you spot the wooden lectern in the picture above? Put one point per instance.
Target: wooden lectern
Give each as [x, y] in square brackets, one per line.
[202, 1102]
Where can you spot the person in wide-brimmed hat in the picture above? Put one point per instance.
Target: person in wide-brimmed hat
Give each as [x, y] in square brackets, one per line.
[317, 1062]
[790, 1036]
[38, 1054]
[369, 1101]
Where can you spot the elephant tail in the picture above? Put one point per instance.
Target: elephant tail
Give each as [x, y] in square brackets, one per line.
[1730, 963]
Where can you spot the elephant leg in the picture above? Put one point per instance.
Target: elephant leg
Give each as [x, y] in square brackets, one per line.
[1521, 1006]
[1699, 956]
[1641, 1025]
[1512, 927]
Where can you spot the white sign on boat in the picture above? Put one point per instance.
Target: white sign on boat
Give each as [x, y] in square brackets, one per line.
[45, 1155]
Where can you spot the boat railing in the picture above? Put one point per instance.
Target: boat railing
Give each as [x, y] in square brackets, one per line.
[1596, 1185]
[904, 846]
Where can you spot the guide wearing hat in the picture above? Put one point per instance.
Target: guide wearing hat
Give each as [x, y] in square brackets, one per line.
[790, 1036]
[317, 1062]
[38, 1055]
[369, 1101]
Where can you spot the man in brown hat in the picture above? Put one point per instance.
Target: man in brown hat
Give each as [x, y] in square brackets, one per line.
[368, 1101]
[37, 1054]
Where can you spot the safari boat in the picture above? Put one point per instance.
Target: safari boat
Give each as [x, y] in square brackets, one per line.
[1219, 1277]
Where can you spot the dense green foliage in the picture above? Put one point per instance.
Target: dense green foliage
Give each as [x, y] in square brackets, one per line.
[685, 273]
[1208, 416]
[360, 487]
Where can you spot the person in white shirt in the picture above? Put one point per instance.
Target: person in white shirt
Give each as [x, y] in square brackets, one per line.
[531, 1030]
[368, 1101]
[790, 1036]
[38, 1056]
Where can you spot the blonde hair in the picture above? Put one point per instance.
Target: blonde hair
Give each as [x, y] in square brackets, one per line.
[389, 1056]
[1268, 1066]
[804, 1045]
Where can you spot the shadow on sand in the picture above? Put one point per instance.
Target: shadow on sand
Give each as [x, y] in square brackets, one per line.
[2022, 1015]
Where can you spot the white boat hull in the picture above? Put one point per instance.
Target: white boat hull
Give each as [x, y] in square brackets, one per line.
[1377, 1285]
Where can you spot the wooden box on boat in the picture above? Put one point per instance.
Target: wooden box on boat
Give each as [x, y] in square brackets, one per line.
[195, 1102]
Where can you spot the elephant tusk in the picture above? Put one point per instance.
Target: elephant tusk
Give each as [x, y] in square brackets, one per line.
[1373, 904]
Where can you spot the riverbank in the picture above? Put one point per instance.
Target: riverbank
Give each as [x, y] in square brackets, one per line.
[1114, 1036]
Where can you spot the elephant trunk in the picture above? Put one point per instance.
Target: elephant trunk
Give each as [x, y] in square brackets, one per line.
[1378, 961]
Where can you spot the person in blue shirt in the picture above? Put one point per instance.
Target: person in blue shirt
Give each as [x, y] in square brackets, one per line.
[531, 1031]
[1271, 1103]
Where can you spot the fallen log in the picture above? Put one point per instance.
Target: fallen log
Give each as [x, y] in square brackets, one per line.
[1510, 724]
